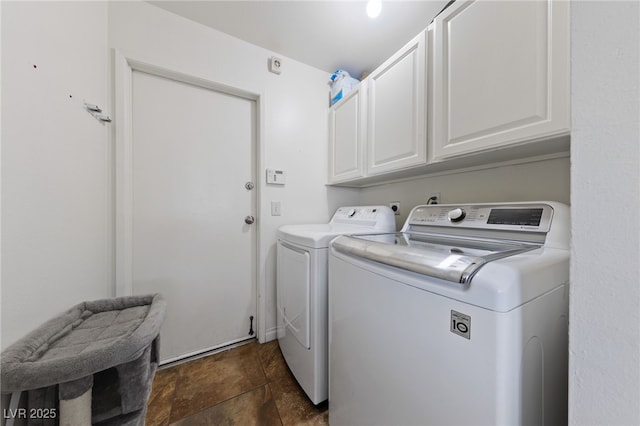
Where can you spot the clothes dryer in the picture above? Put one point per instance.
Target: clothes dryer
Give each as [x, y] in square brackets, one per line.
[301, 290]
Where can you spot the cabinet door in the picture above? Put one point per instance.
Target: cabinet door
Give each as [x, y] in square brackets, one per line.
[396, 137]
[501, 74]
[347, 127]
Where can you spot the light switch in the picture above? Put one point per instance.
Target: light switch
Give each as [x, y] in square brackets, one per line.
[275, 208]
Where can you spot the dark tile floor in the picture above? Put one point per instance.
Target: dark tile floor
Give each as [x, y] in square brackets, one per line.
[247, 385]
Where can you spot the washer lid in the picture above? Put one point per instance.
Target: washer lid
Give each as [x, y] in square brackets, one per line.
[318, 235]
[451, 259]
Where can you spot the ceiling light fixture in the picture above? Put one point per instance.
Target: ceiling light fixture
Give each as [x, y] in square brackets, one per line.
[373, 8]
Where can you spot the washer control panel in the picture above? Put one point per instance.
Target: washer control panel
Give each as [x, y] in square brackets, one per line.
[520, 217]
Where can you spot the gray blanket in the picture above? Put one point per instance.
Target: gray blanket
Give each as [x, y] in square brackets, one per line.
[109, 345]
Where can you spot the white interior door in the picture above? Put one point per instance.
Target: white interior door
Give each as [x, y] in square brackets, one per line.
[192, 154]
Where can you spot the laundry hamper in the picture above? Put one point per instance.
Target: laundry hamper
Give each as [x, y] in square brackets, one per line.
[94, 364]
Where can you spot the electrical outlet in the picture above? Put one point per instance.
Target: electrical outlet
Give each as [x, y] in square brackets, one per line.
[395, 206]
[433, 198]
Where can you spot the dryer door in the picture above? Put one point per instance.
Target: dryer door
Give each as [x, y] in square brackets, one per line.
[292, 287]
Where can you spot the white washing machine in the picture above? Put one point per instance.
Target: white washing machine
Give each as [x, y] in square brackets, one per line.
[302, 290]
[459, 319]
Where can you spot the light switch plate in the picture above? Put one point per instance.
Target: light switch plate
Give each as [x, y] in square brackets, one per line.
[275, 208]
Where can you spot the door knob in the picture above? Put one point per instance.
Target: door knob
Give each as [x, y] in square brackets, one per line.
[249, 220]
[249, 186]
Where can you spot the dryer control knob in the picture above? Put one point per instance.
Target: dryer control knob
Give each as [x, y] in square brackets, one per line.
[352, 213]
[456, 215]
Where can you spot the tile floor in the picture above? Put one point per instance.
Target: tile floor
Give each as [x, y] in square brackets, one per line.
[247, 385]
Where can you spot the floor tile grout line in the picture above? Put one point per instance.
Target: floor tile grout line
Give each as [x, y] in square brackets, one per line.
[269, 382]
[273, 382]
[265, 383]
[227, 400]
[275, 403]
[173, 396]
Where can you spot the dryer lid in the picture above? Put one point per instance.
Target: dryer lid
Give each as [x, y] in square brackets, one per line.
[346, 220]
[317, 235]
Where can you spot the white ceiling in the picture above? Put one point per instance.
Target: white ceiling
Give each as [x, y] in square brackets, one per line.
[324, 34]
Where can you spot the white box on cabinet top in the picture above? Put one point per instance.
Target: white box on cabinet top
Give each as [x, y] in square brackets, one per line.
[396, 136]
[347, 134]
[501, 74]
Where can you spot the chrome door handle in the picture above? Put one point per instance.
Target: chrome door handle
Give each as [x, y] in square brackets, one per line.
[249, 219]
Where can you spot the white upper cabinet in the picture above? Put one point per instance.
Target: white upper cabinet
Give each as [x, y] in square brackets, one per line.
[501, 74]
[488, 83]
[396, 137]
[347, 133]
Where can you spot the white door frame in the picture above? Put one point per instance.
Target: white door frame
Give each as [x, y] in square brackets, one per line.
[124, 65]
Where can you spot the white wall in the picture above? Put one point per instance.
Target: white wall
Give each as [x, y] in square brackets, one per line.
[604, 329]
[56, 246]
[294, 131]
[541, 180]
